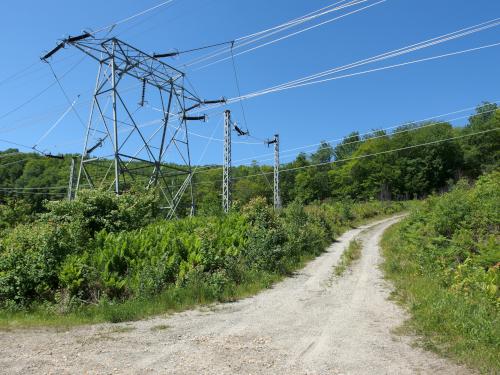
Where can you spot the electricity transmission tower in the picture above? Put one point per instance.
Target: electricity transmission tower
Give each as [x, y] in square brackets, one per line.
[276, 189]
[125, 143]
[71, 179]
[226, 167]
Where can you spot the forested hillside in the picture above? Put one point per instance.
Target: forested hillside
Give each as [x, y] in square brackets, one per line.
[361, 167]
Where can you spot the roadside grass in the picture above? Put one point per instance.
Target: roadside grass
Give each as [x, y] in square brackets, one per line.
[171, 300]
[465, 330]
[351, 254]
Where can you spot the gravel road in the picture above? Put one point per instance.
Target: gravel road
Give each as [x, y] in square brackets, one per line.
[312, 323]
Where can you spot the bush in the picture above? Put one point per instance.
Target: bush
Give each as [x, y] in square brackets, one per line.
[29, 260]
[106, 248]
[14, 212]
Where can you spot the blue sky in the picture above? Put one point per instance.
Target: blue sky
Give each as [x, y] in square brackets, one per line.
[301, 116]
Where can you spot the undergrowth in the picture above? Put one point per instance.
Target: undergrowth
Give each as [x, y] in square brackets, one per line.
[444, 261]
[91, 261]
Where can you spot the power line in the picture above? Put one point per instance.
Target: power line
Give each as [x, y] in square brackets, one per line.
[34, 188]
[177, 53]
[390, 151]
[272, 90]
[363, 156]
[23, 70]
[144, 20]
[293, 21]
[366, 136]
[45, 135]
[13, 162]
[130, 18]
[420, 45]
[46, 114]
[72, 106]
[404, 50]
[21, 75]
[15, 144]
[256, 157]
[425, 44]
[277, 29]
[40, 93]
[240, 98]
[18, 73]
[237, 81]
[295, 33]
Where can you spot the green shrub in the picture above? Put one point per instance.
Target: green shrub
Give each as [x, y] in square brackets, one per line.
[106, 249]
[14, 212]
[29, 262]
[266, 237]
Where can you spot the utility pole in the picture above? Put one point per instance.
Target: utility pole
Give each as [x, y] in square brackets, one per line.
[276, 190]
[71, 179]
[226, 169]
[277, 196]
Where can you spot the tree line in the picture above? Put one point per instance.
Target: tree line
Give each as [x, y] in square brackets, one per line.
[360, 167]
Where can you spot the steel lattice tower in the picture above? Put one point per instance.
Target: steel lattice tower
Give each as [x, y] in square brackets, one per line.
[277, 196]
[276, 188]
[226, 168]
[125, 144]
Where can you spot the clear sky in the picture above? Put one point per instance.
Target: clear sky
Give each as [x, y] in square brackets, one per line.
[302, 116]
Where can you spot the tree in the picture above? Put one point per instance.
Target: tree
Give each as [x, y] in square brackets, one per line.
[324, 154]
[482, 152]
[347, 147]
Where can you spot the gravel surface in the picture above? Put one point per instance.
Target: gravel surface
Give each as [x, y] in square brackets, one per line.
[312, 323]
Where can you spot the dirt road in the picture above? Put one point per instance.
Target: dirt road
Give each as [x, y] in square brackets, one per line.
[313, 323]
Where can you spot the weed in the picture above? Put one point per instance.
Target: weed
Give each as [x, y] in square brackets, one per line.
[351, 254]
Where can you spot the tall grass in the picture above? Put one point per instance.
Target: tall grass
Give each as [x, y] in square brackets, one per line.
[351, 254]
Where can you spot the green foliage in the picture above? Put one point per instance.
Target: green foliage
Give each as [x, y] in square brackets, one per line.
[358, 168]
[13, 212]
[97, 210]
[347, 147]
[482, 154]
[266, 237]
[444, 259]
[29, 170]
[102, 249]
[51, 252]
[29, 259]
[404, 173]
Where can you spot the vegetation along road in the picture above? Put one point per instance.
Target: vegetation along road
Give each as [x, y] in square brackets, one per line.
[312, 323]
